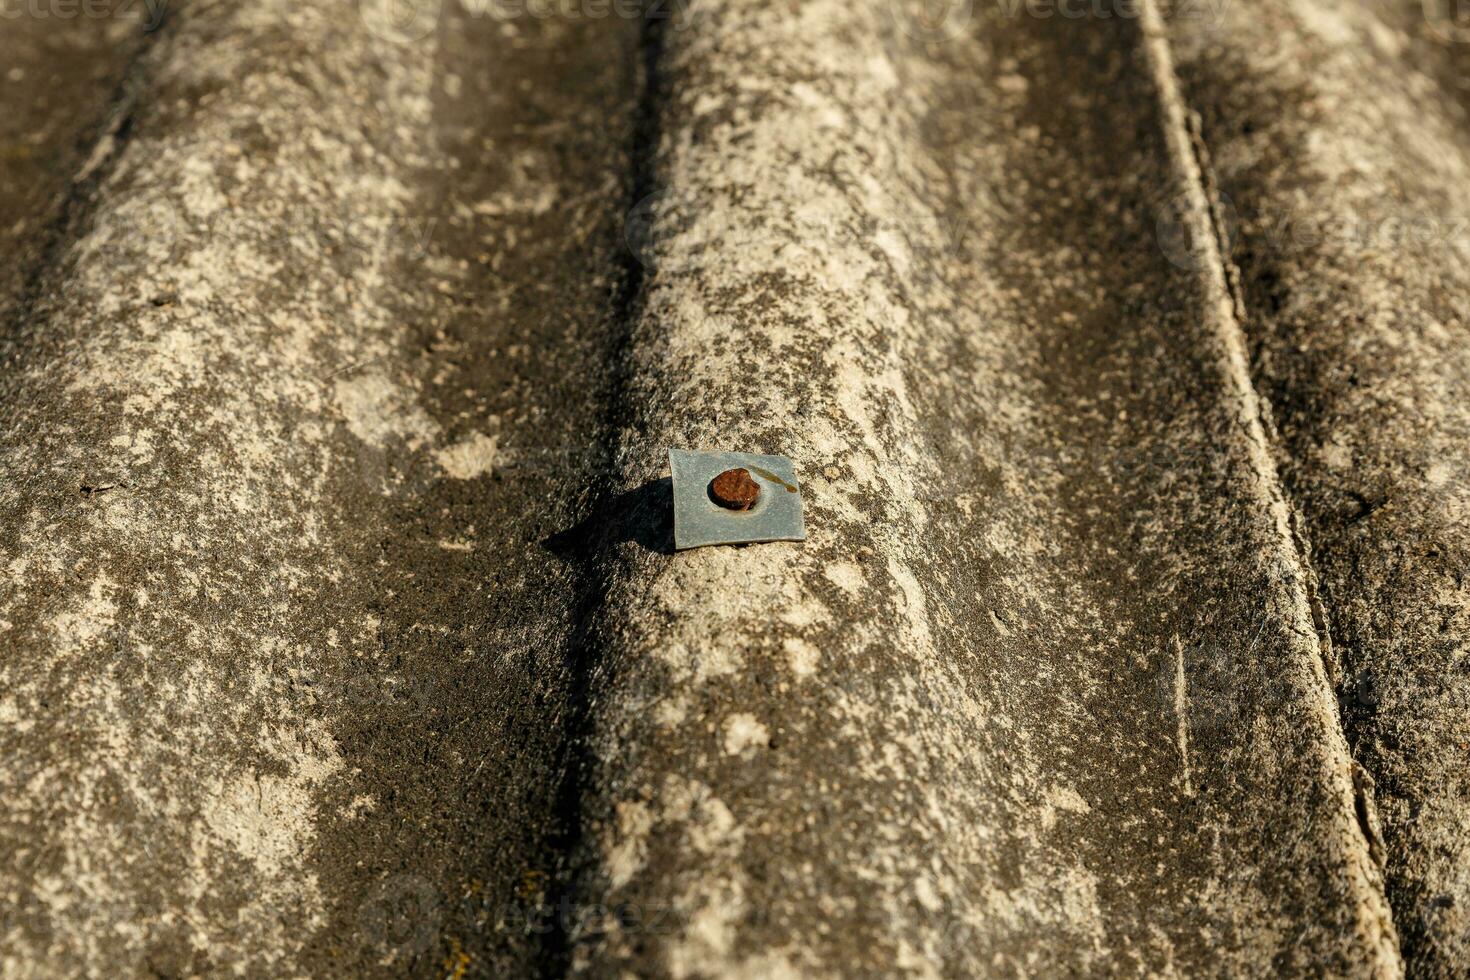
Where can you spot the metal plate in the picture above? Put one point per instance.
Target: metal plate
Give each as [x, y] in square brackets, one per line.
[698, 520]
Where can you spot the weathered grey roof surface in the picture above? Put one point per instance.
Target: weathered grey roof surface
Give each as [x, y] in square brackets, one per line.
[1123, 358]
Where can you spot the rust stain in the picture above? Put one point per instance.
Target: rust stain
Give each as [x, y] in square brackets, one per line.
[760, 471]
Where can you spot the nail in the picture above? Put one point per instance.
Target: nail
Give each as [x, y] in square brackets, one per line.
[734, 489]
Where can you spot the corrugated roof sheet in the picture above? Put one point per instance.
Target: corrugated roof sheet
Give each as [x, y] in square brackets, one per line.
[1120, 350]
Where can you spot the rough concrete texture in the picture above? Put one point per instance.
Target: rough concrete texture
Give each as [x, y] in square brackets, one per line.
[285, 425]
[343, 630]
[1339, 136]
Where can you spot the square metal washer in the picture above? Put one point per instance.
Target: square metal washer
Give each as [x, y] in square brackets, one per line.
[699, 521]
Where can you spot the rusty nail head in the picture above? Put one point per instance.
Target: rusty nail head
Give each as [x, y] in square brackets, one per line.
[734, 489]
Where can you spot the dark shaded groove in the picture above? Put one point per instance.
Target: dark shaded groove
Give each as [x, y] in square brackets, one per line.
[1321, 620]
[60, 230]
[1365, 818]
[1231, 275]
[590, 545]
[1355, 329]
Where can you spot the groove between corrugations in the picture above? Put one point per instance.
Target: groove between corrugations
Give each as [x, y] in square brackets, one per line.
[586, 660]
[1224, 311]
[104, 147]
